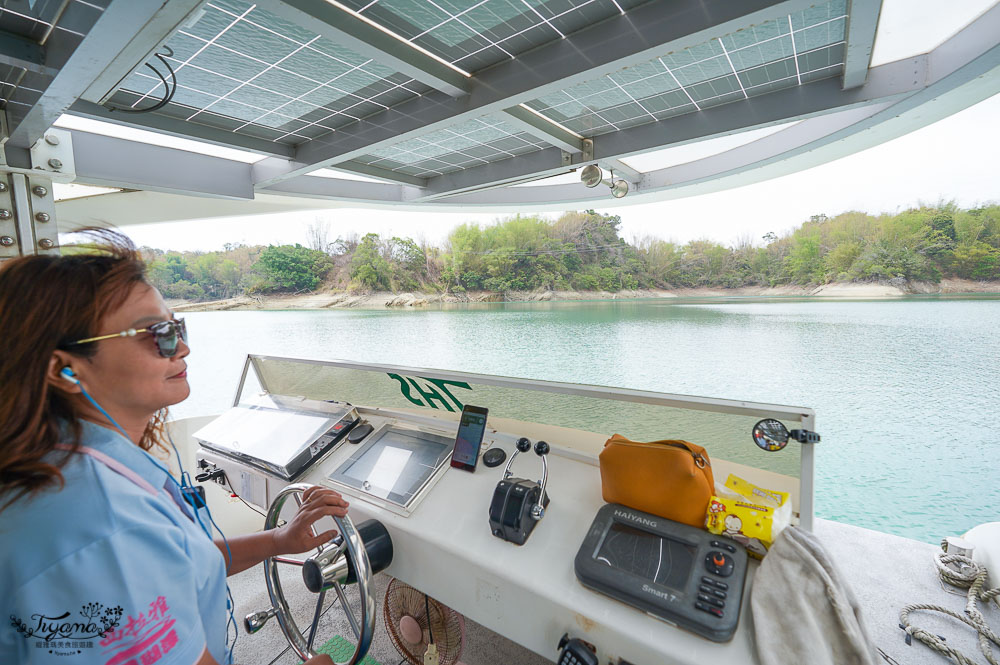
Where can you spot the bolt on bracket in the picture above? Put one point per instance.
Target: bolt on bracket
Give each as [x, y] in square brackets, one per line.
[53, 154]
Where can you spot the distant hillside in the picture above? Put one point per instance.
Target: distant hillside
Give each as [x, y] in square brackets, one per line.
[584, 252]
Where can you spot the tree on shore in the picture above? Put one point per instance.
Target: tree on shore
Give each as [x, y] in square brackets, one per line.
[368, 266]
[285, 268]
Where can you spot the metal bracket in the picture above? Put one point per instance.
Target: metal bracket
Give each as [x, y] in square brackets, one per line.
[42, 211]
[567, 158]
[53, 154]
[588, 150]
[27, 216]
[10, 239]
[804, 436]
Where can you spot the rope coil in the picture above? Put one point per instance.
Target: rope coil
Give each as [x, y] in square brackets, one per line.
[971, 576]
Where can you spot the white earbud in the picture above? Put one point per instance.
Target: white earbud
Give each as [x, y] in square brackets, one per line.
[67, 373]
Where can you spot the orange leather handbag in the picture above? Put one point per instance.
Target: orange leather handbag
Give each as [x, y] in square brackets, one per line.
[672, 479]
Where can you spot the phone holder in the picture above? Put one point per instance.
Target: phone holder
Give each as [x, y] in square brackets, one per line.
[518, 503]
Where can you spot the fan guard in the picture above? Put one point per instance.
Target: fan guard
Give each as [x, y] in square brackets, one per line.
[448, 626]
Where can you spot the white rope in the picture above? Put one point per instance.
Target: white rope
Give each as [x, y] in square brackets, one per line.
[972, 576]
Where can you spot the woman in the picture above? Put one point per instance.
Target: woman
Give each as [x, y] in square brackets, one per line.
[104, 560]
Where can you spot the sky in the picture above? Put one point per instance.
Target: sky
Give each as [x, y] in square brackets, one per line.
[953, 159]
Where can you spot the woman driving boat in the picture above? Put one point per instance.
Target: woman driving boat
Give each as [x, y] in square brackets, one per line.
[107, 557]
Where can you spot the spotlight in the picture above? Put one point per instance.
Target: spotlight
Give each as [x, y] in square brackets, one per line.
[619, 188]
[592, 176]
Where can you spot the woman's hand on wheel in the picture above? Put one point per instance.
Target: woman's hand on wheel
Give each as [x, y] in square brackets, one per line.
[297, 536]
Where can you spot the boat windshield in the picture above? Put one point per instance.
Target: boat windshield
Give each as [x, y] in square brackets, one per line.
[578, 417]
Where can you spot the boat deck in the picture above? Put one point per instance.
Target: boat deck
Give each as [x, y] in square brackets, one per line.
[889, 572]
[886, 573]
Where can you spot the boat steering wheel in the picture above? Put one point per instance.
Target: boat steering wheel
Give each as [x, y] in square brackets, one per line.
[341, 561]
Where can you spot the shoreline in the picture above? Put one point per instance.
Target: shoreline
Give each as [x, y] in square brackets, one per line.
[410, 300]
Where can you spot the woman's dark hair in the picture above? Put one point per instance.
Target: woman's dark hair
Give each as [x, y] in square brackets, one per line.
[46, 302]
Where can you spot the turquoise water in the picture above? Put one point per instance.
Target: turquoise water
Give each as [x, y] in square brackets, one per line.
[905, 390]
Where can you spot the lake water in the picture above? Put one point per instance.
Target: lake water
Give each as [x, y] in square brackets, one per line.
[905, 390]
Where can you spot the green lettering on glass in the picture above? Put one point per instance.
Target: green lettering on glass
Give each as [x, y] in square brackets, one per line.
[443, 383]
[430, 395]
[428, 392]
[404, 388]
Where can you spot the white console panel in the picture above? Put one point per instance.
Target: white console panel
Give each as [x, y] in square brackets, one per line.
[530, 594]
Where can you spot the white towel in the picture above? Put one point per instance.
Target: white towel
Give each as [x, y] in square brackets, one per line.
[803, 610]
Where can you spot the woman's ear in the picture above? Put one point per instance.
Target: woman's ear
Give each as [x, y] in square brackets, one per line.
[60, 373]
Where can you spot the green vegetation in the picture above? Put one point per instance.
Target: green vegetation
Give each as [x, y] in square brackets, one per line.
[585, 251]
[288, 268]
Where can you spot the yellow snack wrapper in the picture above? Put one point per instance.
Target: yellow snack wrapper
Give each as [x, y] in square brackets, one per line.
[750, 515]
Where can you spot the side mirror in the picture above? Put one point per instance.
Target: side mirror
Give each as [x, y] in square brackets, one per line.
[770, 435]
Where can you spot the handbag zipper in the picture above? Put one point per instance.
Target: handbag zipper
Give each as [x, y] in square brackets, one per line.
[699, 459]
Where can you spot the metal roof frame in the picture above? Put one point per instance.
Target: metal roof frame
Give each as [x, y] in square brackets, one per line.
[79, 68]
[862, 23]
[823, 96]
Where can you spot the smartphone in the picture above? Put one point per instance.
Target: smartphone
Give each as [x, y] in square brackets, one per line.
[471, 428]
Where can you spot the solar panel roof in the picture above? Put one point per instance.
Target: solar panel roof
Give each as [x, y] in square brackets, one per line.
[454, 97]
[242, 68]
[779, 53]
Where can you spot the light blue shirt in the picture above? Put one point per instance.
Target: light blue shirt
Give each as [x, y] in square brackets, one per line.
[112, 552]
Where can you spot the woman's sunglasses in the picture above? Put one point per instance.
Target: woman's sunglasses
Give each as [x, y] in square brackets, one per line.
[166, 334]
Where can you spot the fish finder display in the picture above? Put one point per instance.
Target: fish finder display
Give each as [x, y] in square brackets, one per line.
[660, 560]
[672, 571]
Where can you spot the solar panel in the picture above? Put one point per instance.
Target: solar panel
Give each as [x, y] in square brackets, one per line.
[470, 143]
[243, 69]
[473, 34]
[9, 75]
[780, 53]
[34, 20]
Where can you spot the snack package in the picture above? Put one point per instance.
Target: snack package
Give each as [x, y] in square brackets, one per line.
[748, 514]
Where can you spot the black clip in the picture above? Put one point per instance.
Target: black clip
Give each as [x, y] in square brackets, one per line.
[804, 436]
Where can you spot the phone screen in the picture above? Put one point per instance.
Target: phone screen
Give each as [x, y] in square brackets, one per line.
[470, 436]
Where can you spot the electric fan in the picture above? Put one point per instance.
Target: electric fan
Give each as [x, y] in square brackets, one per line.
[406, 610]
